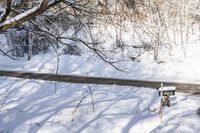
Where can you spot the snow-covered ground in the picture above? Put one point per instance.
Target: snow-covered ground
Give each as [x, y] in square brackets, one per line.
[90, 65]
[35, 106]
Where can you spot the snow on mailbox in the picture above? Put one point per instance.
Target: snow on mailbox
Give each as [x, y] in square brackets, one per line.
[167, 91]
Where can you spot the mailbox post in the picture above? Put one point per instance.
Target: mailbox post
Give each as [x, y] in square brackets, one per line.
[165, 93]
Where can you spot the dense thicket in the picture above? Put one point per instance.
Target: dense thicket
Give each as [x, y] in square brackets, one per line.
[153, 24]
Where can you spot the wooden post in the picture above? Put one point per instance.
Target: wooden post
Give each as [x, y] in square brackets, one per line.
[161, 103]
[30, 44]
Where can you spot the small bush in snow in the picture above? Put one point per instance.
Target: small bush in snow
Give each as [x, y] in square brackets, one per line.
[72, 50]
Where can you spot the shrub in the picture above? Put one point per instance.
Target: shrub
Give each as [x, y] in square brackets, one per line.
[72, 50]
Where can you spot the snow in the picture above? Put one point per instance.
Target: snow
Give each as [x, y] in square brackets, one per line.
[19, 17]
[35, 106]
[88, 65]
[168, 88]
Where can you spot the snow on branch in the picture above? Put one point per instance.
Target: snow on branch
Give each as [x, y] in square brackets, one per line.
[31, 13]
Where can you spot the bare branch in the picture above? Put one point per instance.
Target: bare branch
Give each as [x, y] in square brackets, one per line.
[7, 54]
[19, 19]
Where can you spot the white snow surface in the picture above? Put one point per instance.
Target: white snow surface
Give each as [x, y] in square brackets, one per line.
[36, 106]
[90, 65]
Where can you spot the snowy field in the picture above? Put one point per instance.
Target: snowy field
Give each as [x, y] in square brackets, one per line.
[36, 106]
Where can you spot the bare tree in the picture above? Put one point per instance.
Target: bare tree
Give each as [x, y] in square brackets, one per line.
[151, 19]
